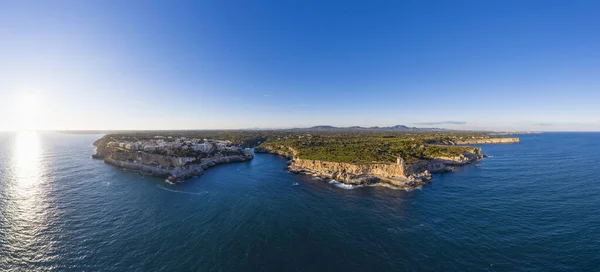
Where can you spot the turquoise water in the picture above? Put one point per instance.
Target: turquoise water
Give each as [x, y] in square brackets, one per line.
[533, 206]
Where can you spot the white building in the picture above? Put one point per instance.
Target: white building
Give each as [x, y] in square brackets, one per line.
[205, 147]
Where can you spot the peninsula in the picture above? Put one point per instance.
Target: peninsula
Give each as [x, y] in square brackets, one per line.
[400, 159]
[175, 158]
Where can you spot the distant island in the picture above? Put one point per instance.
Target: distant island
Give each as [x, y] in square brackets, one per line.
[399, 156]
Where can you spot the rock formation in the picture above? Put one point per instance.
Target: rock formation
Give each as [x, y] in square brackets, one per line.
[173, 168]
[491, 140]
[397, 174]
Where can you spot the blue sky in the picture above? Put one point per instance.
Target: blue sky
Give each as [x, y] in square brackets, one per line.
[518, 65]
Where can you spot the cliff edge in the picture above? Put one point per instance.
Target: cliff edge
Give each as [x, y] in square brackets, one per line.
[399, 174]
[173, 168]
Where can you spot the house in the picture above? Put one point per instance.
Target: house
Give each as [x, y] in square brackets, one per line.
[205, 147]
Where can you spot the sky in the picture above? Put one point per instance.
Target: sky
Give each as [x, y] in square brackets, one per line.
[494, 65]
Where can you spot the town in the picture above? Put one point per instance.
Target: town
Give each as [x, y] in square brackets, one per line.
[179, 146]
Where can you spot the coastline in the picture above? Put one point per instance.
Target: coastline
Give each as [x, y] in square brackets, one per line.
[174, 168]
[498, 140]
[399, 175]
[177, 162]
[176, 175]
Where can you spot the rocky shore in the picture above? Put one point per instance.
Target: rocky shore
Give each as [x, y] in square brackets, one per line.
[398, 175]
[492, 140]
[173, 168]
[350, 159]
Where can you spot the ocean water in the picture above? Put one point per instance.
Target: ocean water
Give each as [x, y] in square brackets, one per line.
[533, 206]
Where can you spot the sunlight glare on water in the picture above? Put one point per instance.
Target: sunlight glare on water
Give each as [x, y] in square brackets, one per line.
[26, 208]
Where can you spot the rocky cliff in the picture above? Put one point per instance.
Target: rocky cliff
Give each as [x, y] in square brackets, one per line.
[447, 164]
[171, 167]
[393, 174]
[489, 141]
[397, 174]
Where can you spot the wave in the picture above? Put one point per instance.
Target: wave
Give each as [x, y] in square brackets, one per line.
[354, 186]
[393, 187]
[344, 185]
[180, 192]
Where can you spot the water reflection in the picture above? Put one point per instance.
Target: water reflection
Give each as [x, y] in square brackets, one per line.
[26, 204]
[27, 163]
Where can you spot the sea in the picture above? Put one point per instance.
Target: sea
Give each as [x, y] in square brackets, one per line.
[533, 206]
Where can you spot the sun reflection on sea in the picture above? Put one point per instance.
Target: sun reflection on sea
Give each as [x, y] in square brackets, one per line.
[27, 165]
[27, 204]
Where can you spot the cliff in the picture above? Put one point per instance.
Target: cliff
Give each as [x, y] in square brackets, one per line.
[173, 168]
[365, 174]
[489, 141]
[447, 164]
[397, 174]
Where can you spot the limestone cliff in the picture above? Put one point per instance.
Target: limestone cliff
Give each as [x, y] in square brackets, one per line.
[499, 140]
[393, 174]
[171, 167]
[396, 174]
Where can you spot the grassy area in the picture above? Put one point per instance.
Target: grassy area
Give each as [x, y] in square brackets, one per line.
[337, 146]
[367, 148]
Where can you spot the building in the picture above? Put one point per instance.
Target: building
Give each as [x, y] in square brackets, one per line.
[205, 147]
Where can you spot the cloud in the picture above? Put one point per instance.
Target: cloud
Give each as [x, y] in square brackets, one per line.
[544, 124]
[441, 123]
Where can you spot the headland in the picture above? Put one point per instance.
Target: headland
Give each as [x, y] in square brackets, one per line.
[399, 159]
[175, 158]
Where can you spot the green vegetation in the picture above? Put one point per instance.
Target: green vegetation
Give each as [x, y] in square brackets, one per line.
[366, 148]
[338, 146]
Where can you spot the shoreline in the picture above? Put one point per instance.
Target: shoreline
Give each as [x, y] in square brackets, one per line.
[178, 158]
[498, 140]
[174, 168]
[397, 176]
[177, 175]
